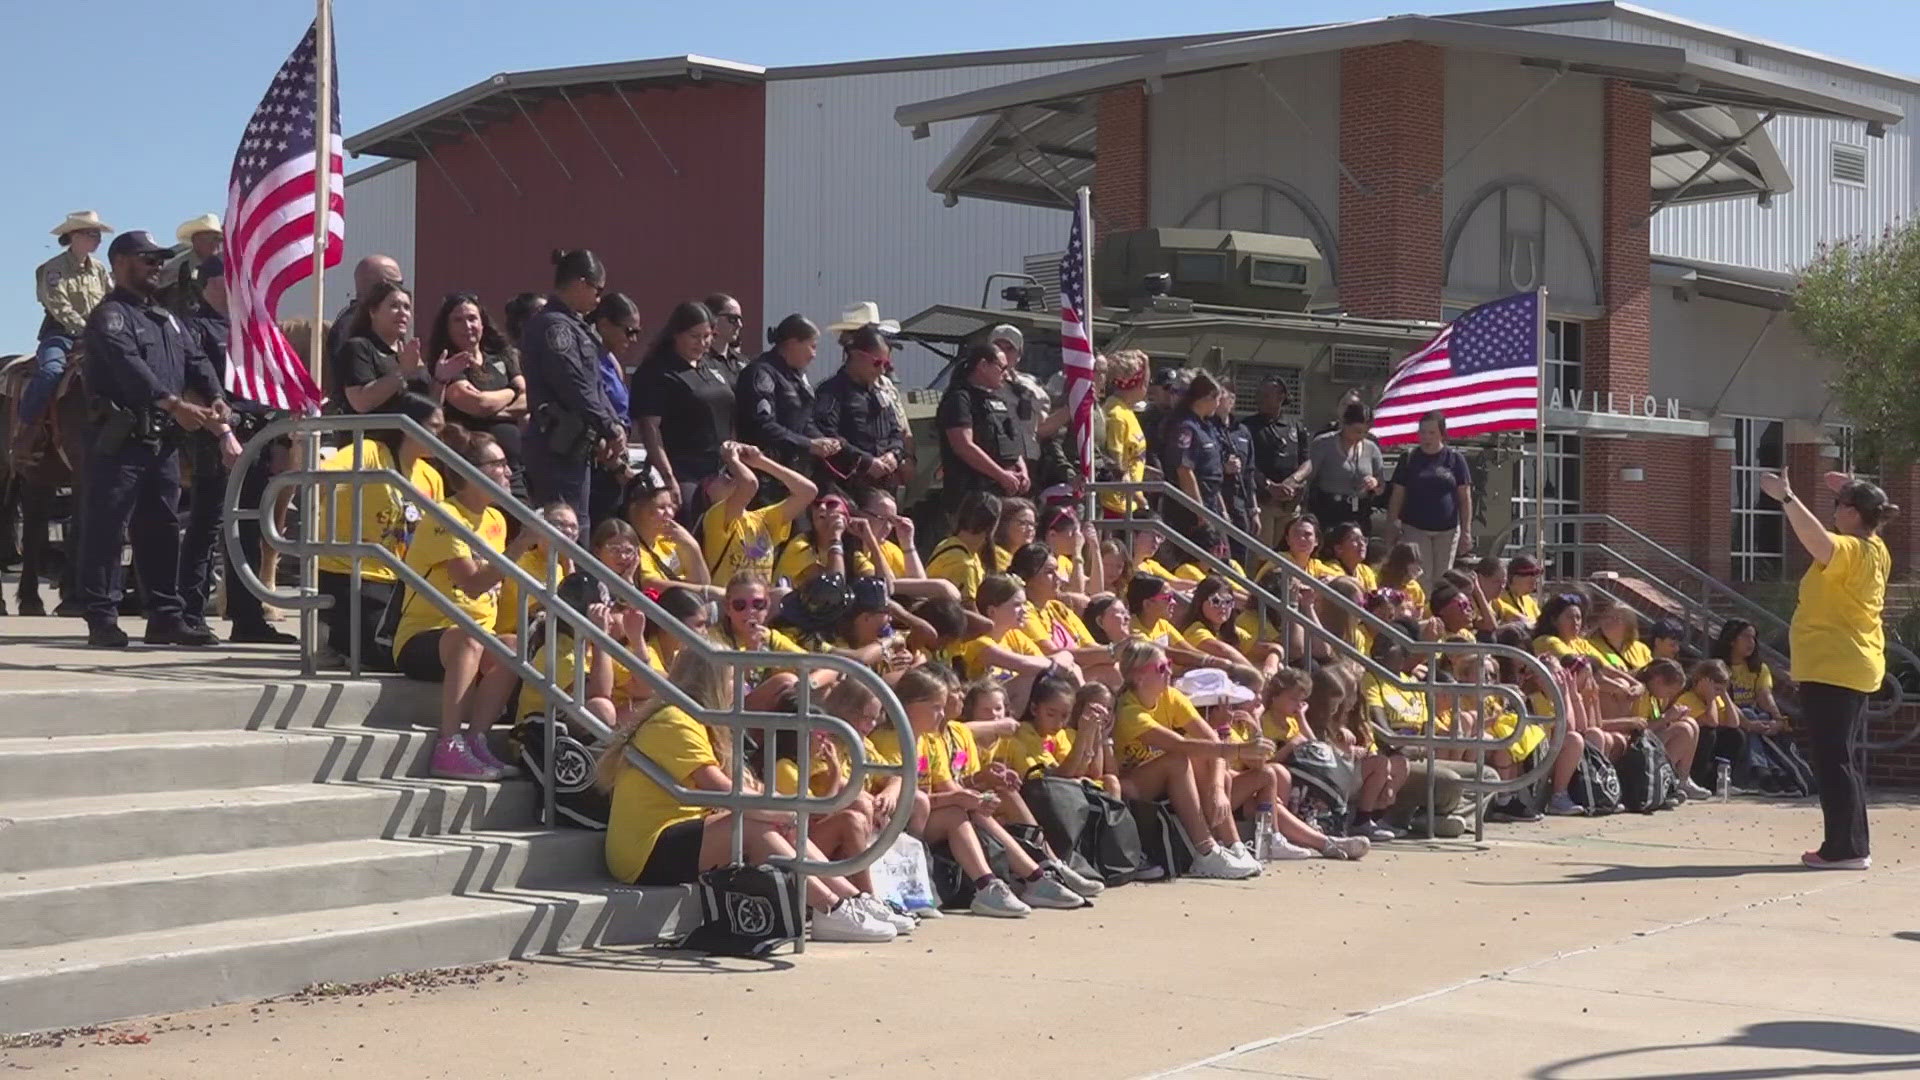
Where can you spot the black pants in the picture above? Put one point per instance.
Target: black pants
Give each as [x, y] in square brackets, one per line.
[375, 598]
[552, 478]
[1833, 716]
[200, 539]
[1334, 510]
[1717, 743]
[132, 492]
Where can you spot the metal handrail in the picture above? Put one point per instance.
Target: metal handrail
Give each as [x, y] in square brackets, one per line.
[1430, 740]
[1895, 695]
[801, 803]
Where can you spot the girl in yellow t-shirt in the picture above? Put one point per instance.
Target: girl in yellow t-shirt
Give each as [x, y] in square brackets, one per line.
[1402, 571]
[1005, 654]
[1077, 552]
[1352, 733]
[1157, 760]
[972, 740]
[961, 559]
[743, 625]
[1212, 629]
[1066, 733]
[1051, 621]
[535, 562]
[1516, 602]
[1151, 601]
[668, 553]
[1707, 700]
[848, 831]
[1738, 647]
[1561, 632]
[1616, 641]
[734, 539]
[1674, 723]
[833, 541]
[1285, 711]
[653, 838]
[1019, 525]
[1344, 554]
[555, 652]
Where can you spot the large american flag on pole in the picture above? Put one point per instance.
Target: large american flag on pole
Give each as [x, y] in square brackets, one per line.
[1482, 370]
[270, 231]
[1076, 335]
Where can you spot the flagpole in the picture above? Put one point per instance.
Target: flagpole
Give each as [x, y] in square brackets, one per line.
[1540, 439]
[1083, 206]
[317, 337]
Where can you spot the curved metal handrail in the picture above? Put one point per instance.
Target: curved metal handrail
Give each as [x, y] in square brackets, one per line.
[571, 699]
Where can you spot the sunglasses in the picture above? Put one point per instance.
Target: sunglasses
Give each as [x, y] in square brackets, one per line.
[1220, 599]
[746, 603]
[1162, 668]
[734, 319]
[833, 506]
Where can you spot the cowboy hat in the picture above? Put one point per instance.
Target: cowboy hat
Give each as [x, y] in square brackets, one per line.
[81, 219]
[1211, 686]
[864, 313]
[204, 223]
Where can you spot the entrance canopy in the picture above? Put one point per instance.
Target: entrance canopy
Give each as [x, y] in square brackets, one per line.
[1035, 141]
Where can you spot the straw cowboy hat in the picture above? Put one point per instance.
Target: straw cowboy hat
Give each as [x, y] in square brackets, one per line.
[864, 313]
[81, 219]
[204, 223]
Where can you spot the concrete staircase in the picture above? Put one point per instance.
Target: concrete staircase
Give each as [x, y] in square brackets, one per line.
[172, 844]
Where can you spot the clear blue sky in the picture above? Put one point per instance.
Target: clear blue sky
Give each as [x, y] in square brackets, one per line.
[150, 146]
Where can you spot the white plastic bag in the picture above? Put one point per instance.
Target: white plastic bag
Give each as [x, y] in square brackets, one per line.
[901, 875]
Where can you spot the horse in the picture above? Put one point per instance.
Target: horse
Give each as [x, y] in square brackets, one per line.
[54, 458]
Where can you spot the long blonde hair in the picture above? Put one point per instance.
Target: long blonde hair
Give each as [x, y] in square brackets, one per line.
[707, 681]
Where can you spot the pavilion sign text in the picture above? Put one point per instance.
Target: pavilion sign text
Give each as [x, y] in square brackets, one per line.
[1609, 403]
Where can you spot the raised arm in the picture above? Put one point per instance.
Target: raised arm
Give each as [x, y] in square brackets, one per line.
[1812, 534]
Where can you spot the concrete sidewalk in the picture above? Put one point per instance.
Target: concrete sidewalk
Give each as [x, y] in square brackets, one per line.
[1686, 944]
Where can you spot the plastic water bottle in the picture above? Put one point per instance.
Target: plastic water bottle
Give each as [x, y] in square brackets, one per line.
[1722, 779]
[1263, 833]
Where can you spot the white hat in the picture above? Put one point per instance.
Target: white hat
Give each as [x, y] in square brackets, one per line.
[81, 219]
[864, 313]
[204, 223]
[1009, 334]
[1211, 686]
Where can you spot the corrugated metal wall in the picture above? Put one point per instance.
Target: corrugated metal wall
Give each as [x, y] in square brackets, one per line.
[849, 216]
[380, 213]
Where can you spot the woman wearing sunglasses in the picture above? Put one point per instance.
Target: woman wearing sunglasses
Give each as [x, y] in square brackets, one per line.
[1213, 629]
[477, 373]
[743, 625]
[834, 542]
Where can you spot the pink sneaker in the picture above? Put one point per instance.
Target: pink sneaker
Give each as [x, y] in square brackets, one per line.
[1813, 861]
[453, 760]
[477, 745]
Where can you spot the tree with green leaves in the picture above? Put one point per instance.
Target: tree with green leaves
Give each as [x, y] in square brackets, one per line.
[1859, 303]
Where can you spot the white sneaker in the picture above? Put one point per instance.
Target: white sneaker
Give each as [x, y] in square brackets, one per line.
[997, 901]
[1075, 880]
[1220, 863]
[1239, 853]
[1346, 847]
[1695, 791]
[879, 911]
[848, 921]
[928, 913]
[1050, 892]
[1285, 850]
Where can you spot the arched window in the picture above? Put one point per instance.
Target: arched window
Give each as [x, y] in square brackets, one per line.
[1264, 204]
[1515, 236]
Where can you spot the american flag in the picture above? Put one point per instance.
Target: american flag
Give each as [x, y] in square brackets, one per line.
[1482, 370]
[269, 242]
[1076, 339]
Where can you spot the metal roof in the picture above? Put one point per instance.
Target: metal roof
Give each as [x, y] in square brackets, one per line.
[1035, 140]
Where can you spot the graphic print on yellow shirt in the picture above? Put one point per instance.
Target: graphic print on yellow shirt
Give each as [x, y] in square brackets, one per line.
[1134, 721]
[387, 517]
[742, 542]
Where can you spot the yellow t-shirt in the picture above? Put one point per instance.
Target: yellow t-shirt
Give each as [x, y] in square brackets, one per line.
[970, 659]
[936, 764]
[776, 642]
[535, 700]
[533, 562]
[1054, 626]
[1697, 708]
[1366, 575]
[799, 561]
[642, 809]
[1502, 724]
[1748, 683]
[896, 557]
[1126, 447]
[1630, 659]
[735, 543]
[1550, 645]
[432, 547]
[999, 558]
[1133, 721]
[786, 776]
[1281, 729]
[1027, 751]
[1417, 593]
[1163, 634]
[952, 561]
[963, 751]
[661, 560]
[1509, 608]
[1406, 710]
[387, 518]
[1837, 638]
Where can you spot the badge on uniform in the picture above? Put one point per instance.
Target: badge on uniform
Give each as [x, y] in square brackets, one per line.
[53, 278]
[557, 335]
[116, 322]
[1186, 438]
[411, 514]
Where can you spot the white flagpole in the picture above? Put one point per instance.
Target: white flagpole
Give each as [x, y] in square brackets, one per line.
[317, 337]
[1540, 439]
[1083, 206]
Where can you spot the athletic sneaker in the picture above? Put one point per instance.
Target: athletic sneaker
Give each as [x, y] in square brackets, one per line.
[1151, 872]
[1562, 805]
[1220, 863]
[1346, 848]
[453, 760]
[847, 921]
[1075, 880]
[997, 901]
[1244, 855]
[1284, 850]
[1694, 791]
[879, 912]
[1812, 861]
[477, 746]
[1047, 891]
[932, 911]
[1445, 827]
[1377, 830]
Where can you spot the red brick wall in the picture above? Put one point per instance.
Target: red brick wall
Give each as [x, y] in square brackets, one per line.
[1393, 138]
[1899, 768]
[1903, 536]
[1618, 346]
[1120, 181]
[1806, 467]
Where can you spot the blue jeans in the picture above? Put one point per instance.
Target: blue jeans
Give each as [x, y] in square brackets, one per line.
[49, 363]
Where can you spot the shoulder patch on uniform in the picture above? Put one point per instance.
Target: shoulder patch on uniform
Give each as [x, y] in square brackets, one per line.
[53, 278]
[116, 321]
[1185, 438]
[558, 336]
[762, 381]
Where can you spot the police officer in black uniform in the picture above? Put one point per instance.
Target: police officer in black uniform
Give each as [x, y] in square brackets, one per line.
[850, 407]
[1193, 458]
[1240, 488]
[141, 365]
[570, 423]
[979, 442]
[211, 453]
[774, 404]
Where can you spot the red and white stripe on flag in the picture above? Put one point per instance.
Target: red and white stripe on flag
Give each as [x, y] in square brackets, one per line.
[270, 231]
[1076, 335]
[1482, 371]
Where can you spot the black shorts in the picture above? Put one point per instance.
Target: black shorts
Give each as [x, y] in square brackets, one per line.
[676, 855]
[420, 657]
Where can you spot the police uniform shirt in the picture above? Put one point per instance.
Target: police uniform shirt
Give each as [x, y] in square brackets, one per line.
[731, 361]
[860, 417]
[1237, 441]
[560, 359]
[139, 353]
[694, 404]
[775, 410]
[69, 290]
[1279, 445]
[1192, 443]
[209, 330]
[990, 417]
[363, 360]
[497, 371]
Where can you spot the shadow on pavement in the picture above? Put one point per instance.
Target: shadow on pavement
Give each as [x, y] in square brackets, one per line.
[1616, 874]
[662, 960]
[1806, 1036]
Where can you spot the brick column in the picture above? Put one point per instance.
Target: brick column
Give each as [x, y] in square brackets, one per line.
[1903, 536]
[1716, 512]
[1806, 467]
[1393, 139]
[1120, 176]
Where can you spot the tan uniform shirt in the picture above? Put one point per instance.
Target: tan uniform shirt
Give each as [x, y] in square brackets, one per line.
[70, 289]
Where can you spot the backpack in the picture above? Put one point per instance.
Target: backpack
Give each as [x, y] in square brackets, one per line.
[950, 881]
[1645, 775]
[1093, 832]
[746, 911]
[1595, 784]
[1162, 838]
[1791, 775]
[575, 800]
[1323, 781]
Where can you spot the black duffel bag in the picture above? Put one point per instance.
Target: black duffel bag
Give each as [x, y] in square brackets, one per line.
[1092, 831]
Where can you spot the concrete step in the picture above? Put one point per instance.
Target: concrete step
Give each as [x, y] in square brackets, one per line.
[48, 907]
[50, 833]
[81, 765]
[121, 709]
